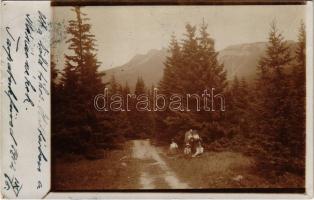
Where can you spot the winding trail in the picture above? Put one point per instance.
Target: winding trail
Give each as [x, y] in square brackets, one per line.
[155, 173]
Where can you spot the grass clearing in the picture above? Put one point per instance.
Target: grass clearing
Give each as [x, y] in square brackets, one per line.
[118, 170]
[225, 170]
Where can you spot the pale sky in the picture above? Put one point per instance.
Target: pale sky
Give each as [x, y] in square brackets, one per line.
[124, 31]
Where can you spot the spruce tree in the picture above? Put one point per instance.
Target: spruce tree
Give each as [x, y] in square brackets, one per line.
[114, 86]
[168, 84]
[196, 70]
[239, 108]
[81, 82]
[180, 80]
[214, 75]
[140, 87]
[189, 61]
[119, 126]
[129, 131]
[141, 120]
[273, 105]
[297, 96]
[210, 74]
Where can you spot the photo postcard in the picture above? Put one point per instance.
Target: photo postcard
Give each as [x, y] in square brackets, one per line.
[154, 97]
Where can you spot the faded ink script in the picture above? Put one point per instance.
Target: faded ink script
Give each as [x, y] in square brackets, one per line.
[26, 102]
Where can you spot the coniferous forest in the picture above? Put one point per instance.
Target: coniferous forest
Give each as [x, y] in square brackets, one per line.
[263, 118]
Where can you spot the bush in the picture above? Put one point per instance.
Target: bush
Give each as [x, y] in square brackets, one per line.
[76, 140]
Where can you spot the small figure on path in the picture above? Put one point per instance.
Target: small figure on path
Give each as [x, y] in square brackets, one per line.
[173, 149]
[188, 136]
[199, 149]
[195, 136]
[187, 149]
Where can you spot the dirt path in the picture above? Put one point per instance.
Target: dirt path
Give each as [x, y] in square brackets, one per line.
[155, 174]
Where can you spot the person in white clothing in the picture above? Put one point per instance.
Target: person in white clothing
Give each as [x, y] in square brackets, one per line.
[199, 150]
[188, 136]
[173, 149]
[187, 149]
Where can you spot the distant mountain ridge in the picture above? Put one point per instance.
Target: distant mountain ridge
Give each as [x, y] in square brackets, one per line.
[149, 66]
[239, 60]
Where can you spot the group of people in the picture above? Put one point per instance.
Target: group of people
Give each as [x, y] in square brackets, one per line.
[193, 144]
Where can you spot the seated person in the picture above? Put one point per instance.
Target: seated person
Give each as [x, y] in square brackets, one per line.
[199, 149]
[173, 149]
[195, 136]
[187, 149]
[188, 136]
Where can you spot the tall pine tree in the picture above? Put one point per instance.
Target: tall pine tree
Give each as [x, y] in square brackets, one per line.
[273, 102]
[168, 83]
[81, 81]
[191, 68]
[141, 119]
[297, 95]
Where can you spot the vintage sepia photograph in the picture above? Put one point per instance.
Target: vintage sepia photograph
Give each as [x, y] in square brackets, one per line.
[183, 97]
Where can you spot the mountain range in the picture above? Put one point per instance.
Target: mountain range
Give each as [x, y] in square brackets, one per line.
[239, 60]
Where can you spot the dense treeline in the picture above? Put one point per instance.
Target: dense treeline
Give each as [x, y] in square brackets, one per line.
[77, 127]
[191, 68]
[280, 104]
[264, 118]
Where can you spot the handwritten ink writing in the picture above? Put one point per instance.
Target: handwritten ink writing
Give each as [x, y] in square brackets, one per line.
[13, 110]
[42, 19]
[41, 156]
[43, 51]
[26, 91]
[43, 93]
[28, 86]
[39, 185]
[17, 44]
[14, 156]
[12, 183]
[28, 38]
[28, 34]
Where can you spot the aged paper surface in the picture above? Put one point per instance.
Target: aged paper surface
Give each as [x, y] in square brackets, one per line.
[25, 116]
[205, 100]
